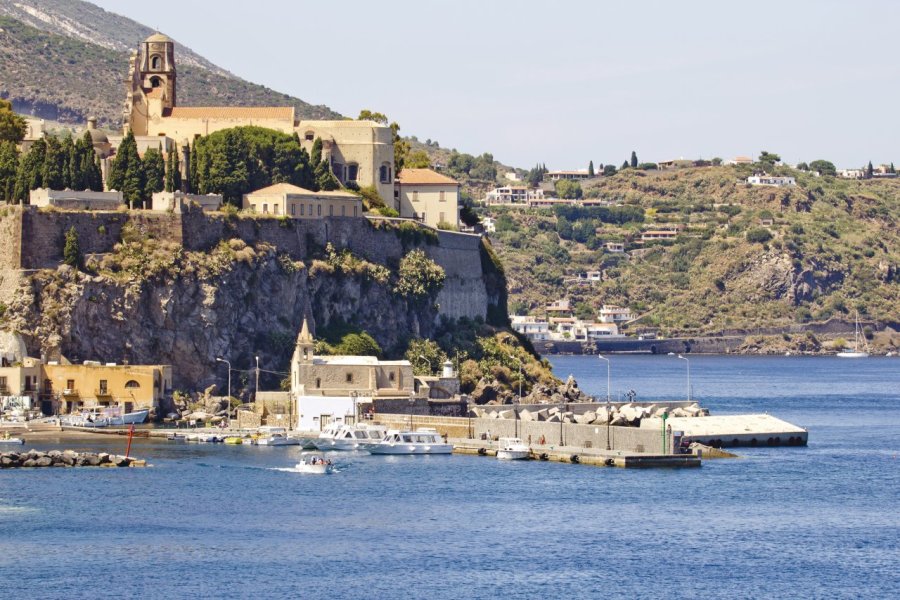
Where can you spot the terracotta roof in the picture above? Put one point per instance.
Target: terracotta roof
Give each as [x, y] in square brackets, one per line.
[231, 112]
[283, 188]
[424, 176]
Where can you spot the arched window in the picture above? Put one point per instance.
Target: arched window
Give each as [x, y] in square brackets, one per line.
[155, 82]
[352, 172]
[155, 62]
[309, 136]
[384, 174]
[132, 384]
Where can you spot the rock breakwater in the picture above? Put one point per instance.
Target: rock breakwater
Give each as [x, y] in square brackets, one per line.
[65, 458]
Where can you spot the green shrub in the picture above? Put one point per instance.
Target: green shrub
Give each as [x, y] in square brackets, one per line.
[418, 276]
[758, 235]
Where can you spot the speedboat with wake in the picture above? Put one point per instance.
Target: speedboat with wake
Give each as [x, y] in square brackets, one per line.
[314, 463]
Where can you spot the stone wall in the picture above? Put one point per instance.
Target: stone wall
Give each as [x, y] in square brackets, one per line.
[10, 237]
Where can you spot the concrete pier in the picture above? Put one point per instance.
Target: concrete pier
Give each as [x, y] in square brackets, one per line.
[734, 430]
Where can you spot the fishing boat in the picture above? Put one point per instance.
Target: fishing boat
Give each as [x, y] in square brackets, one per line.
[275, 436]
[314, 463]
[856, 352]
[106, 417]
[513, 449]
[349, 437]
[421, 441]
[7, 439]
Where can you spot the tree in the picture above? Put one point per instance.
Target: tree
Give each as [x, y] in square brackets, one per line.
[892, 169]
[154, 173]
[483, 167]
[71, 250]
[869, 170]
[71, 177]
[769, 159]
[567, 189]
[173, 171]
[823, 167]
[126, 173]
[418, 276]
[9, 164]
[634, 159]
[417, 159]
[591, 169]
[426, 356]
[358, 344]
[625, 165]
[802, 166]
[54, 170]
[759, 235]
[609, 170]
[29, 175]
[325, 179]
[315, 156]
[12, 126]
[401, 148]
[368, 115]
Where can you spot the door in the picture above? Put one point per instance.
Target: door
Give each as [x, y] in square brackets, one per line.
[325, 421]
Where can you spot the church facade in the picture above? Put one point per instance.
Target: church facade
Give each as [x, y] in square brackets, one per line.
[358, 151]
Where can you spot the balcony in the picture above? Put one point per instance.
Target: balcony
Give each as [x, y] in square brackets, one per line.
[70, 393]
[102, 393]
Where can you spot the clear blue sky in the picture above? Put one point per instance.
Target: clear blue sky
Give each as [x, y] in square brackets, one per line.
[567, 82]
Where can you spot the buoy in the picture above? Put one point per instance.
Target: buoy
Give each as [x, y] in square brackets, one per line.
[574, 458]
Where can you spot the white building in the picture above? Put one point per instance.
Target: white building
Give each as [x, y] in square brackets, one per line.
[513, 194]
[180, 202]
[73, 200]
[615, 314]
[615, 247]
[771, 180]
[489, 224]
[533, 328]
[571, 175]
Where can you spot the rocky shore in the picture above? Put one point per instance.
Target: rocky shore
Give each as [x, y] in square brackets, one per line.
[65, 458]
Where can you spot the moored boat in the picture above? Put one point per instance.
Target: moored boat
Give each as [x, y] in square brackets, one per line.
[856, 352]
[275, 436]
[512, 449]
[421, 441]
[349, 437]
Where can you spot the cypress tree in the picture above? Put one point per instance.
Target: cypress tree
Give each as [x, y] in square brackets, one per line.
[78, 167]
[53, 171]
[71, 250]
[126, 174]
[172, 173]
[70, 163]
[325, 179]
[154, 173]
[315, 157]
[29, 175]
[892, 168]
[634, 160]
[591, 169]
[193, 171]
[869, 170]
[9, 164]
[625, 165]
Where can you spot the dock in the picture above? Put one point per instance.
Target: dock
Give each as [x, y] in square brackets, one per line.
[577, 455]
[728, 431]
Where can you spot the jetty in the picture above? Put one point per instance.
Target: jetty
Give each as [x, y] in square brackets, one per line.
[725, 431]
[578, 455]
[65, 458]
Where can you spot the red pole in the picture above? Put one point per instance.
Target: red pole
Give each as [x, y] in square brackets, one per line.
[130, 435]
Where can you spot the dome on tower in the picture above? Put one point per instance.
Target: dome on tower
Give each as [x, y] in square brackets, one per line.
[97, 136]
[159, 37]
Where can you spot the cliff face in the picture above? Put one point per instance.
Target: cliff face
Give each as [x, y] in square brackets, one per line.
[153, 301]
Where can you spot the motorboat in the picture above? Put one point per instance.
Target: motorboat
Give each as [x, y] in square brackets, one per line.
[275, 436]
[349, 437]
[7, 439]
[234, 440]
[106, 417]
[512, 449]
[314, 463]
[421, 441]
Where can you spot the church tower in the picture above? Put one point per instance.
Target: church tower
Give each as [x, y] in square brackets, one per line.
[150, 85]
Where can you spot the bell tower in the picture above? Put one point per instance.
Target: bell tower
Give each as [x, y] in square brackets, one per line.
[157, 68]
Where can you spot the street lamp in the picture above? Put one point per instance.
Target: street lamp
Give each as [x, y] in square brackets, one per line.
[562, 408]
[256, 392]
[516, 409]
[412, 402]
[354, 394]
[688, 376]
[228, 402]
[608, 405]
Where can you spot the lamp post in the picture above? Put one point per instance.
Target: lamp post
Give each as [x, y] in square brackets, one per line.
[688, 376]
[412, 402]
[562, 408]
[256, 392]
[354, 394]
[516, 409]
[228, 402]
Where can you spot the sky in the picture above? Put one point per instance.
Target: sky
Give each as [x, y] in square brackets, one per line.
[568, 82]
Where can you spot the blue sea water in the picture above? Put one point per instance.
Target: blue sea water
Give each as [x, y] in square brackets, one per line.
[222, 521]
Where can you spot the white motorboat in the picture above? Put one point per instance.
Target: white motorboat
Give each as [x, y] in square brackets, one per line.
[314, 463]
[349, 437]
[6, 439]
[512, 449]
[422, 441]
[275, 436]
[856, 352]
[106, 417]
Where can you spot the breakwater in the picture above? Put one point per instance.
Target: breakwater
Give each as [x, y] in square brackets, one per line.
[65, 458]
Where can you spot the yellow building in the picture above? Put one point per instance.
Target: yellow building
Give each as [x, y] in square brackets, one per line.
[358, 151]
[299, 203]
[64, 388]
[428, 196]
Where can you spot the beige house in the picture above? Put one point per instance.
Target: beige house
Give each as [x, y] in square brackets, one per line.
[72, 200]
[327, 389]
[358, 151]
[285, 199]
[428, 196]
[180, 202]
[64, 388]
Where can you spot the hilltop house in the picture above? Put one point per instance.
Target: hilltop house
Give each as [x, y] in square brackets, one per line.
[570, 175]
[428, 196]
[771, 180]
[285, 199]
[513, 194]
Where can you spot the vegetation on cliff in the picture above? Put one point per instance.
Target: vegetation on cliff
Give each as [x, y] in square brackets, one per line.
[745, 256]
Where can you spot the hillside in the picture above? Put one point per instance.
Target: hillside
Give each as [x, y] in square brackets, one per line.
[747, 257]
[63, 78]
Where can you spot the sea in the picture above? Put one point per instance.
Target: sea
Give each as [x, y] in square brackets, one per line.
[217, 521]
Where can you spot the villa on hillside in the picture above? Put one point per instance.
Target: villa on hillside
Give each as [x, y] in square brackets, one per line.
[570, 175]
[428, 196]
[513, 194]
[772, 180]
[561, 329]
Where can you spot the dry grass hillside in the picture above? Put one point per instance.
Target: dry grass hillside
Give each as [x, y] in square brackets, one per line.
[746, 256]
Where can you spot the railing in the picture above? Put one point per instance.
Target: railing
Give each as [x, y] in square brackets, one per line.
[102, 392]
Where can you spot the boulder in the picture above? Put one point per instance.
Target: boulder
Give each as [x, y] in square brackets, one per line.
[507, 414]
[542, 415]
[601, 416]
[618, 420]
[554, 418]
[662, 410]
[525, 415]
[29, 462]
[44, 461]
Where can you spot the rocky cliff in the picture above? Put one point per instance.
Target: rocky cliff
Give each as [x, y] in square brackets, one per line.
[151, 299]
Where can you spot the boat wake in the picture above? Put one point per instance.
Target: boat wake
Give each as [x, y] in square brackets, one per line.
[296, 470]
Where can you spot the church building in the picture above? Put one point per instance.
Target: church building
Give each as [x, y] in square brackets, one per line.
[358, 151]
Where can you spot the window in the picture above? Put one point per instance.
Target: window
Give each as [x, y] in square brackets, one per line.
[391, 376]
[265, 208]
[343, 211]
[310, 210]
[319, 210]
[293, 209]
[415, 196]
[302, 211]
[155, 63]
[309, 136]
[441, 196]
[331, 210]
[384, 173]
[70, 384]
[275, 209]
[352, 172]
[3, 383]
[318, 382]
[155, 82]
[104, 389]
[349, 377]
[132, 384]
[354, 211]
